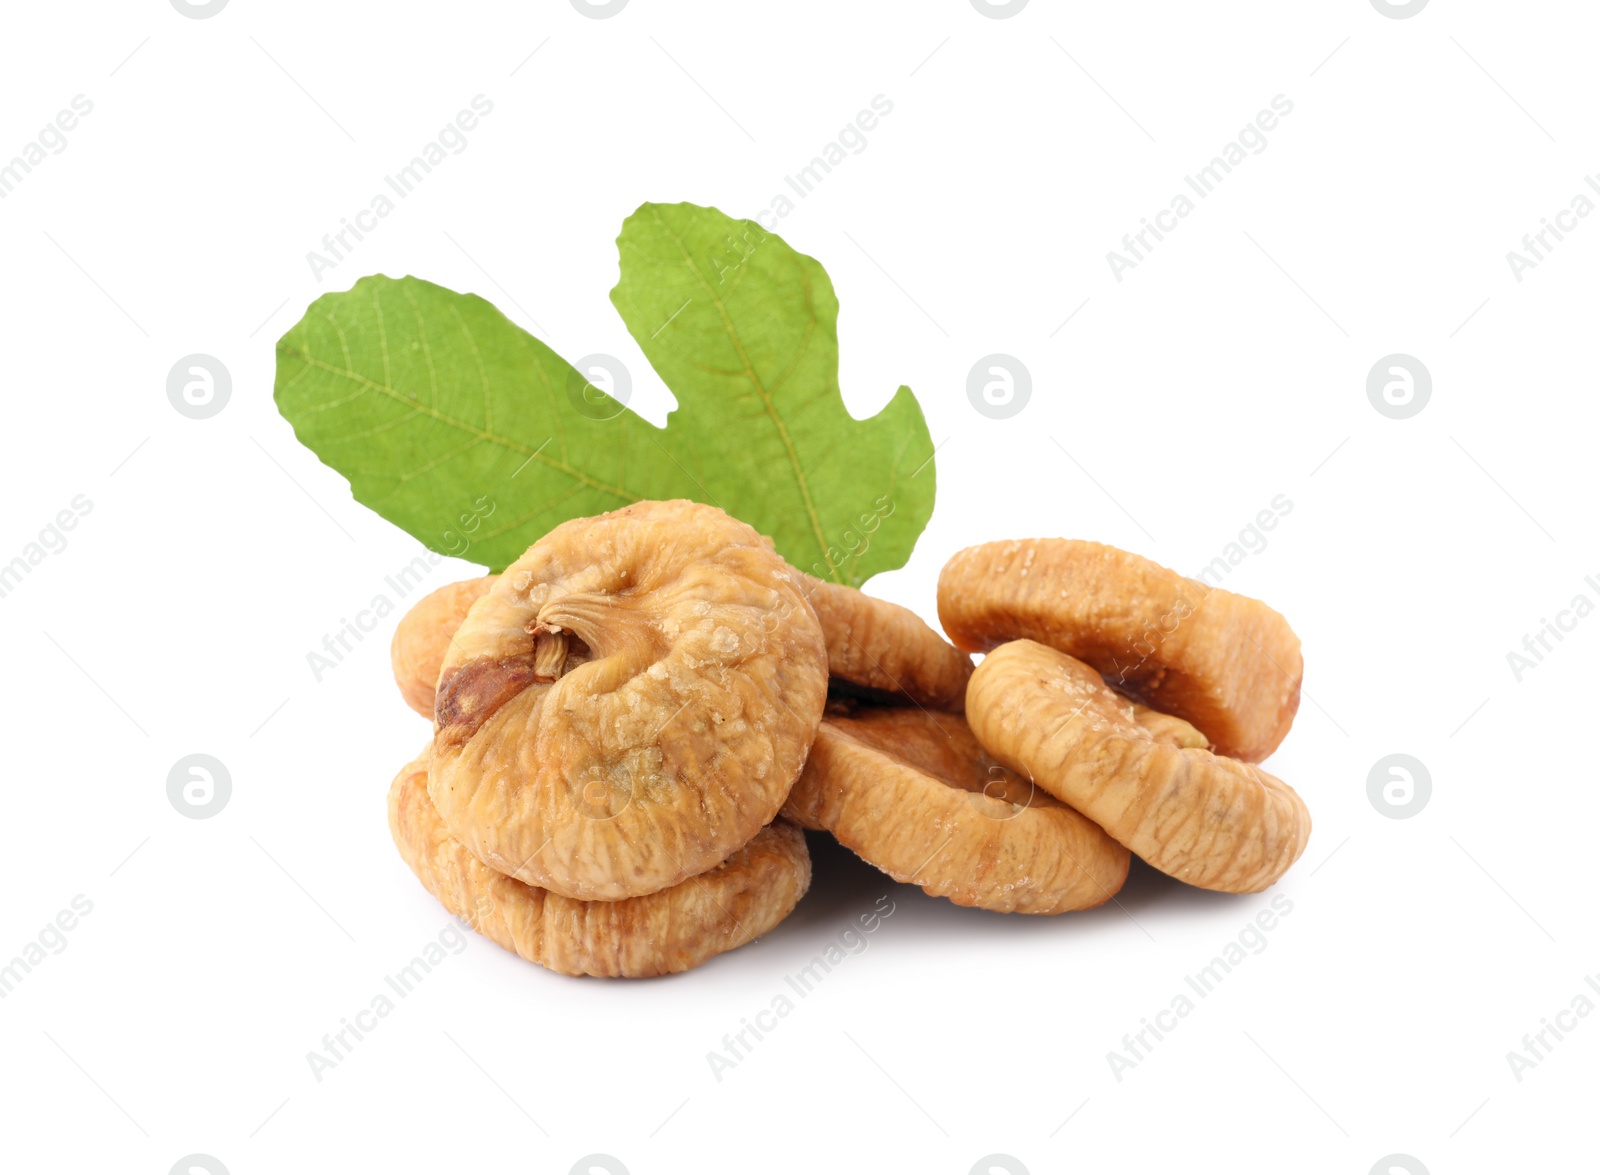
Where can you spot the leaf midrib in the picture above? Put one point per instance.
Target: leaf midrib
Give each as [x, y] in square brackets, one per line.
[422, 409]
[801, 483]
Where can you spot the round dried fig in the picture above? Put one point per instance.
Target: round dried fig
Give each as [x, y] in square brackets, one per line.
[629, 703]
[670, 930]
[1147, 778]
[884, 652]
[1226, 663]
[911, 792]
[423, 635]
[876, 650]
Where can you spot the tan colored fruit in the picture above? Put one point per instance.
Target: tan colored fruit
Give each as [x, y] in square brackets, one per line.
[1226, 663]
[876, 649]
[629, 704]
[1147, 779]
[423, 635]
[885, 652]
[911, 792]
[670, 930]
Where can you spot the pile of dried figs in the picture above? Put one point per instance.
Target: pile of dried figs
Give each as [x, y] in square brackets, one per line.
[635, 719]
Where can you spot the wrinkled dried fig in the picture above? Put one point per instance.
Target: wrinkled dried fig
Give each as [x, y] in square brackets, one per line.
[629, 704]
[1226, 663]
[885, 652]
[911, 792]
[423, 635]
[876, 650]
[1148, 779]
[670, 930]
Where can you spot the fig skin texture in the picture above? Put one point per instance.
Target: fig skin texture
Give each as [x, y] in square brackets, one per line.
[423, 635]
[664, 932]
[1228, 664]
[629, 704]
[876, 650]
[885, 652]
[1148, 779]
[911, 792]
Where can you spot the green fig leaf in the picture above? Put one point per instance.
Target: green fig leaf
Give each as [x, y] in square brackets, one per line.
[476, 438]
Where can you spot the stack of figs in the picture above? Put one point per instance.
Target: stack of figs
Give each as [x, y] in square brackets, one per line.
[633, 722]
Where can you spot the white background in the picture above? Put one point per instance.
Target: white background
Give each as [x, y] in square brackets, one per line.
[1227, 368]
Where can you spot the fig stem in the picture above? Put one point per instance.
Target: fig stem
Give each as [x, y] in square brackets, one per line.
[595, 618]
[549, 655]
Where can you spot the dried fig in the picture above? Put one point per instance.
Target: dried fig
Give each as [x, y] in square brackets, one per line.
[885, 652]
[1148, 779]
[670, 930]
[876, 650]
[630, 702]
[1226, 663]
[423, 635]
[911, 792]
